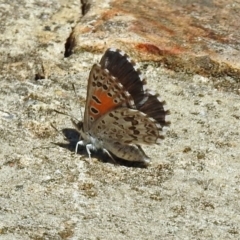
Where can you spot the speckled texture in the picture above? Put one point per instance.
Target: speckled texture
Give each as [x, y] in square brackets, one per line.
[191, 190]
[198, 37]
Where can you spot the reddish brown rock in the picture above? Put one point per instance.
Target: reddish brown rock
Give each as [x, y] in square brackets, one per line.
[193, 36]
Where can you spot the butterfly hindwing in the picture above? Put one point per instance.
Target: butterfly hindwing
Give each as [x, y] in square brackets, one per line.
[121, 66]
[130, 152]
[128, 126]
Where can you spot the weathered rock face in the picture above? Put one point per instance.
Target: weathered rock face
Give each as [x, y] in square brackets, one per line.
[193, 36]
[189, 53]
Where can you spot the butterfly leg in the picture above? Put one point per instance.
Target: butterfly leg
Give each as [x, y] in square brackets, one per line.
[79, 143]
[109, 154]
[88, 147]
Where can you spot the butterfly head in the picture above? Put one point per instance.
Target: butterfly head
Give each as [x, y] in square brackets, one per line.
[79, 127]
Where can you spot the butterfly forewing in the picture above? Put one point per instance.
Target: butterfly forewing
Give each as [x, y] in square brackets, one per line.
[104, 94]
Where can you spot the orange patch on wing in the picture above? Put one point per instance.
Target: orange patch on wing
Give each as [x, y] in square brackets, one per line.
[106, 105]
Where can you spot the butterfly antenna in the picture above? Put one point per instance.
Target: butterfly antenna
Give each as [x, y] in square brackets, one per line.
[73, 86]
[63, 113]
[56, 129]
[74, 121]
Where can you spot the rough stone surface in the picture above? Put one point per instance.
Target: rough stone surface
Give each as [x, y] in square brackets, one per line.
[199, 37]
[191, 190]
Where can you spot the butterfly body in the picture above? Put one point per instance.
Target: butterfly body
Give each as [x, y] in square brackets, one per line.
[120, 113]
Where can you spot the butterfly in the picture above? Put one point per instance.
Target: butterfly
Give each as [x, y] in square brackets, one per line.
[120, 113]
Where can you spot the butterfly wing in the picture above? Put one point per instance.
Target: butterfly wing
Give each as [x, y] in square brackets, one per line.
[156, 108]
[127, 152]
[120, 113]
[117, 82]
[104, 94]
[121, 66]
[127, 126]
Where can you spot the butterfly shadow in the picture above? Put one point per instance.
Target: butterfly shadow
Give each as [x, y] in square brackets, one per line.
[72, 137]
